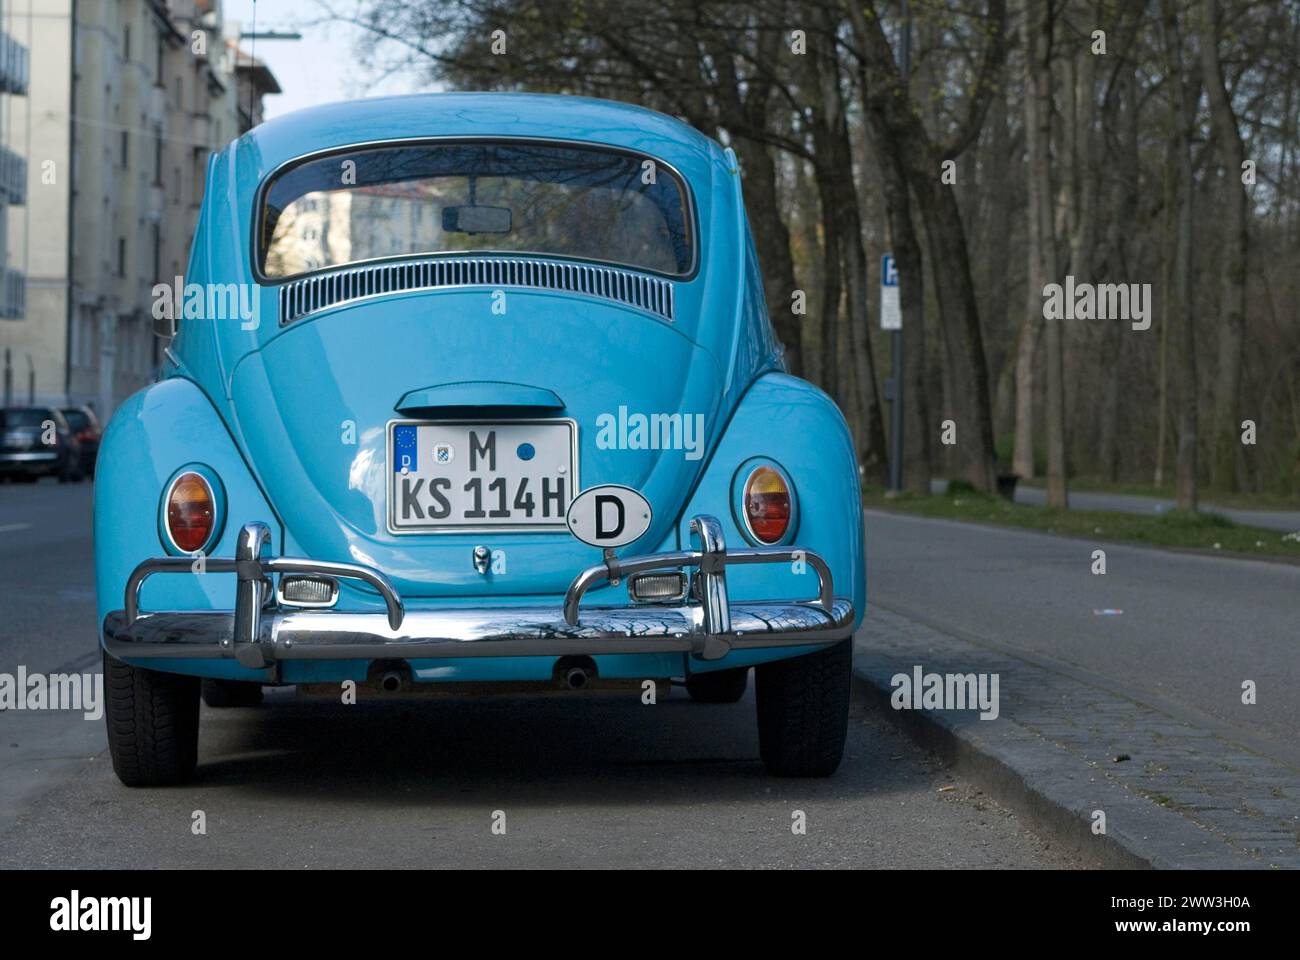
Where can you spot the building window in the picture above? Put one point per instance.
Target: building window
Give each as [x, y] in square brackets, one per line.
[121, 256]
[180, 93]
[200, 173]
[126, 148]
[158, 66]
[126, 42]
[157, 156]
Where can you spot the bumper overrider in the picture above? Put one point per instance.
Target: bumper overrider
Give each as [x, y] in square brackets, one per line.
[260, 631]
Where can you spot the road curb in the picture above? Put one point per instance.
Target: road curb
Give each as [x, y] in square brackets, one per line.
[1054, 792]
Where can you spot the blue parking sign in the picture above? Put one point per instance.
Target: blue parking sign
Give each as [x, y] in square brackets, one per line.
[888, 271]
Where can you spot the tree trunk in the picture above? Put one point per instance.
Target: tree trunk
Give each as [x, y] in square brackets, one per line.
[921, 160]
[962, 338]
[1226, 467]
[1183, 99]
[1037, 27]
[1123, 205]
[772, 242]
[997, 243]
[812, 322]
[872, 453]
[917, 426]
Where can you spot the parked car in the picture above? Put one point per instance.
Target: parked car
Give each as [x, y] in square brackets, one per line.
[484, 388]
[85, 425]
[37, 442]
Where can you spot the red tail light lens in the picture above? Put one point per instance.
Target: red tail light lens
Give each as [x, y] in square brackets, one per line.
[191, 512]
[767, 505]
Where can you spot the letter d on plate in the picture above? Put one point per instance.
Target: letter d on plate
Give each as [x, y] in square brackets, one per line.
[608, 516]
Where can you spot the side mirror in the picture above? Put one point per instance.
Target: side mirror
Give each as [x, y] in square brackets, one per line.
[164, 327]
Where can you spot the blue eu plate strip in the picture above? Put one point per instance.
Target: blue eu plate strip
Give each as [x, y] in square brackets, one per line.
[404, 449]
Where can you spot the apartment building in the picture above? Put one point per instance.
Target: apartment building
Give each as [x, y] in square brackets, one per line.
[127, 101]
[15, 64]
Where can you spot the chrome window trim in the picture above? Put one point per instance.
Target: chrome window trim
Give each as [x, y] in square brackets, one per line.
[259, 197]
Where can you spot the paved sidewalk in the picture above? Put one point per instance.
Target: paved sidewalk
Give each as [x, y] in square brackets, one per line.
[1182, 797]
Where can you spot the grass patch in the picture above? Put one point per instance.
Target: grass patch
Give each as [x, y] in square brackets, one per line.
[1209, 532]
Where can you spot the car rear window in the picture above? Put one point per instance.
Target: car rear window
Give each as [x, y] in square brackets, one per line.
[519, 197]
[77, 420]
[24, 417]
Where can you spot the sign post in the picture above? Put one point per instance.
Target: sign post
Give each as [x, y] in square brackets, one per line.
[891, 319]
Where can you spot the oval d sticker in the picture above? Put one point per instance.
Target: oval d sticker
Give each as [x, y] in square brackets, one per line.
[608, 516]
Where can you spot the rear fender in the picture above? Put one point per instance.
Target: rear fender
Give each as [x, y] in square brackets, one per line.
[793, 423]
[153, 434]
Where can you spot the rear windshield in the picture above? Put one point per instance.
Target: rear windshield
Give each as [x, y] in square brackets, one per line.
[77, 419]
[26, 417]
[578, 202]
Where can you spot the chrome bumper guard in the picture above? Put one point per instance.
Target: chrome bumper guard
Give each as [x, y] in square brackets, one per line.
[259, 632]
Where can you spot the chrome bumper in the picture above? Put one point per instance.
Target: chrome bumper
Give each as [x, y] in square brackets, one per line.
[258, 632]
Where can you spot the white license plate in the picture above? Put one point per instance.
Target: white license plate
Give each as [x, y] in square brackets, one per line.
[460, 476]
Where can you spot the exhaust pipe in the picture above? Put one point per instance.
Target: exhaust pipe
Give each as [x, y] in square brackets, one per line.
[574, 673]
[389, 676]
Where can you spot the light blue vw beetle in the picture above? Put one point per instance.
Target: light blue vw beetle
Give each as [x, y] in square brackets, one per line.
[439, 362]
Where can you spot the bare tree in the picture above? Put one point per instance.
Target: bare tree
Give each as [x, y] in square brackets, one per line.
[1183, 94]
[1226, 463]
[1037, 28]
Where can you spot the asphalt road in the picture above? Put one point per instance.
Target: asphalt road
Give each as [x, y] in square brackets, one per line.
[594, 780]
[1191, 628]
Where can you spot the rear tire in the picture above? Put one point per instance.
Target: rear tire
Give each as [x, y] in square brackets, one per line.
[718, 686]
[803, 711]
[231, 693]
[153, 724]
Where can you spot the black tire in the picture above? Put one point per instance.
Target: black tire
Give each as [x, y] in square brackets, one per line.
[803, 711]
[718, 686]
[153, 724]
[231, 693]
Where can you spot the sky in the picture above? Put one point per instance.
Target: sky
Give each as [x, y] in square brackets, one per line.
[319, 68]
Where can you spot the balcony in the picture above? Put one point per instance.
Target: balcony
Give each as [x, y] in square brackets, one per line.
[13, 177]
[13, 294]
[15, 66]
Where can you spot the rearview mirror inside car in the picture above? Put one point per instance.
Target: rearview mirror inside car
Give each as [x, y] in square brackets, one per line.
[476, 219]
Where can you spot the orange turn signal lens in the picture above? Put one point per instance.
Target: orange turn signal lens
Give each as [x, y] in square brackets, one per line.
[767, 505]
[190, 512]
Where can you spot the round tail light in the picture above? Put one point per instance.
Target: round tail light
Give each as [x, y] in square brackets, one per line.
[191, 512]
[767, 505]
